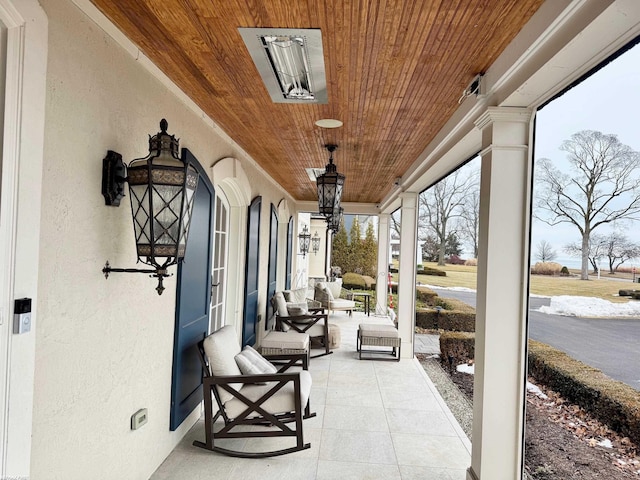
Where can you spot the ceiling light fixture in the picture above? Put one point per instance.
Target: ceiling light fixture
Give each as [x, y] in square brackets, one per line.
[290, 62]
[330, 186]
[334, 221]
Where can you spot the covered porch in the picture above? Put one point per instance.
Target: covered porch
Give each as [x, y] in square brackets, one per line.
[375, 419]
[421, 87]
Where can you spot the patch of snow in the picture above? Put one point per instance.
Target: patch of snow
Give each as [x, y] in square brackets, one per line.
[454, 289]
[535, 390]
[606, 443]
[465, 368]
[590, 307]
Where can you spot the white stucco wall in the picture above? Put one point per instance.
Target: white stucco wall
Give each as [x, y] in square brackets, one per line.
[104, 347]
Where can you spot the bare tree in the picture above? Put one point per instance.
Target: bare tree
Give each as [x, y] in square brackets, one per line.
[545, 252]
[469, 224]
[595, 250]
[618, 249]
[394, 223]
[442, 203]
[602, 186]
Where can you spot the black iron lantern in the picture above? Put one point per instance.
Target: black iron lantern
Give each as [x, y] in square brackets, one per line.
[334, 221]
[330, 186]
[162, 189]
[304, 238]
[315, 243]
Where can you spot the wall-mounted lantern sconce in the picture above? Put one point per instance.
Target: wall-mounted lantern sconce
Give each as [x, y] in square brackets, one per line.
[315, 243]
[162, 189]
[304, 238]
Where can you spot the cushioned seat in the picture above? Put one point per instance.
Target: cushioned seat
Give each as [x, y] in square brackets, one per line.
[282, 401]
[378, 335]
[245, 389]
[276, 342]
[298, 317]
[328, 294]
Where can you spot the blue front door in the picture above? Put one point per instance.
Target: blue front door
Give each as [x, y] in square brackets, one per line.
[193, 296]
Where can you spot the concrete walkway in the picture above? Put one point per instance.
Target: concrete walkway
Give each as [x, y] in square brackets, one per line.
[375, 420]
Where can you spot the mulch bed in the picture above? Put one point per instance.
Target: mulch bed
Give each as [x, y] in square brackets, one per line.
[564, 442]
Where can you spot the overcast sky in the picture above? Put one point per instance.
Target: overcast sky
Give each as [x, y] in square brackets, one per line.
[608, 101]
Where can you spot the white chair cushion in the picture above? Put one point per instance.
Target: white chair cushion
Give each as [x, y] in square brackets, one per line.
[220, 348]
[286, 340]
[251, 362]
[315, 330]
[378, 330]
[342, 304]
[335, 288]
[280, 304]
[281, 402]
[296, 309]
[296, 296]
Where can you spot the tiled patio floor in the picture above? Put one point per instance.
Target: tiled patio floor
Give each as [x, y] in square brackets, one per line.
[374, 420]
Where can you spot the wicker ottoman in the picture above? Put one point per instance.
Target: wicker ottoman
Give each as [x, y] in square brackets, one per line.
[376, 335]
[276, 343]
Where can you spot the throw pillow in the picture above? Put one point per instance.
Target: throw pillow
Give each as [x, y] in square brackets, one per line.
[296, 309]
[251, 362]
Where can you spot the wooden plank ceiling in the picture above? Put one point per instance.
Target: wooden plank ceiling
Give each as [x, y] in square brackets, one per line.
[395, 71]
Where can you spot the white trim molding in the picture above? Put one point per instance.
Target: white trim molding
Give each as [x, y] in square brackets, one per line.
[22, 152]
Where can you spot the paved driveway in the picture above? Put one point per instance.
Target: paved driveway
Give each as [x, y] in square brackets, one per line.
[610, 345]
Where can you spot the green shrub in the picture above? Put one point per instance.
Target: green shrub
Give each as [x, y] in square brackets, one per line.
[627, 293]
[432, 271]
[353, 281]
[613, 403]
[425, 295]
[448, 320]
[457, 347]
[564, 271]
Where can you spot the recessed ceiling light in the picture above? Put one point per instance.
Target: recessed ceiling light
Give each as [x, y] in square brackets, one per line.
[328, 123]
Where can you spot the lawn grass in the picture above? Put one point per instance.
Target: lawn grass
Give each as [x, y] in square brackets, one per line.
[465, 276]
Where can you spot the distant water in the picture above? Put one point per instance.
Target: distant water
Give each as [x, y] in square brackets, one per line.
[570, 262]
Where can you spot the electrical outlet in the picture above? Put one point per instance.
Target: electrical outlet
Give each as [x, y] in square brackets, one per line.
[139, 418]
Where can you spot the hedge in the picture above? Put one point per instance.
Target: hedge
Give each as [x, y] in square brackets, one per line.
[431, 271]
[353, 281]
[613, 403]
[449, 320]
[627, 293]
[425, 294]
[457, 347]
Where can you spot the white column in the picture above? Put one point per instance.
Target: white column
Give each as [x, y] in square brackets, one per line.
[407, 271]
[500, 363]
[382, 278]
